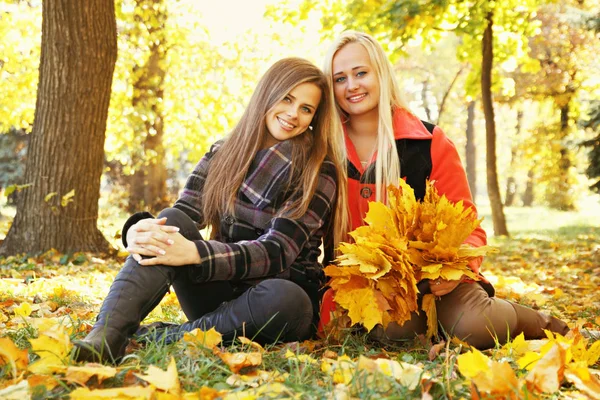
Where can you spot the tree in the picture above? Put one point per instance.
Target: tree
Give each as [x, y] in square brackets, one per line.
[395, 23]
[148, 184]
[64, 162]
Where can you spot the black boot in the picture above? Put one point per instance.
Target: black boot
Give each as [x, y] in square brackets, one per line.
[134, 293]
[275, 310]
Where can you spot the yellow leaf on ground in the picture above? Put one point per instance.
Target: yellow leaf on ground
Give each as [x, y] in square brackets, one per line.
[167, 381]
[471, 363]
[81, 375]
[11, 355]
[341, 370]
[250, 343]
[127, 393]
[586, 382]
[256, 378]
[19, 391]
[499, 381]
[209, 339]
[48, 381]
[268, 391]
[304, 358]
[547, 374]
[238, 361]
[23, 310]
[54, 348]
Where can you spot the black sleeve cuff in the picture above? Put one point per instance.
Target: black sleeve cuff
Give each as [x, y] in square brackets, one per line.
[135, 218]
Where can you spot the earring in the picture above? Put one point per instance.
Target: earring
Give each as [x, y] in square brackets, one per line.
[310, 127]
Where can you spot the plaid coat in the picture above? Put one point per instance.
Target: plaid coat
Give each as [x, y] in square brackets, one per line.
[254, 242]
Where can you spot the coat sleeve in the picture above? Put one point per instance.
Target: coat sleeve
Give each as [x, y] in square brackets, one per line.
[275, 250]
[451, 179]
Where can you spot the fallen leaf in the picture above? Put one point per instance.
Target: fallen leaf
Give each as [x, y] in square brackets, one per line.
[132, 392]
[547, 374]
[167, 381]
[81, 375]
[238, 361]
[209, 339]
[18, 391]
[11, 355]
[54, 348]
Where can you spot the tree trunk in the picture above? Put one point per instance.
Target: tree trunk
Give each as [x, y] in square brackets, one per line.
[148, 189]
[424, 90]
[511, 182]
[528, 194]
[471, 150]
[490, 129]
[563, 197]
[79, 51]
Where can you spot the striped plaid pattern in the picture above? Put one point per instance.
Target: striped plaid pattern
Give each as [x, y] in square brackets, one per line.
[255, 243]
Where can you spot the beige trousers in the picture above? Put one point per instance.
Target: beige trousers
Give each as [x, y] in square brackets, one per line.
[471, 315]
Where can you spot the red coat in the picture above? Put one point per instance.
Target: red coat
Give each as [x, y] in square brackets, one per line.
[447, 173]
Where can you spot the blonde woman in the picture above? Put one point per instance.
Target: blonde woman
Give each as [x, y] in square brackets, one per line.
[270, 191]
[385, 142]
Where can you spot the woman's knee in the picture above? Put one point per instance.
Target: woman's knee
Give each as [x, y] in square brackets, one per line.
[176, 217]
[482, 324]
[283, 307]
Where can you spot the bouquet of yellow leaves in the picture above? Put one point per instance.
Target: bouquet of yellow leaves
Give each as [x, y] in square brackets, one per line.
[375, 279]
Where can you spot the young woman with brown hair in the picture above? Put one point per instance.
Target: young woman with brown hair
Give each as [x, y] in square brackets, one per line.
[269, 191]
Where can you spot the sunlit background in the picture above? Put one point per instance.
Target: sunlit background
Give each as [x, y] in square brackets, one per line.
[211, 55]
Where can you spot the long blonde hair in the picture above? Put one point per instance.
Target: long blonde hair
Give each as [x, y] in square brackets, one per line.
[230, 164]
[387, 165]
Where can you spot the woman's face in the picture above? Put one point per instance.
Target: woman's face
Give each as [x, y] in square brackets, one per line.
[355, 82]
[292, 115]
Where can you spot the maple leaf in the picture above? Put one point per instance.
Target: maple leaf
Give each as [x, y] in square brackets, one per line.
[81, 375]
[239, 361]
[54, 348]
[547, 374]
[167, 381]
[374, 279]
[18, 391]
[341, 370]
[132, 392]
[584, 381]
[11, 355]
[209, 339]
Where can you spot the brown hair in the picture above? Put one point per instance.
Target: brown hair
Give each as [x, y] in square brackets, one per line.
[230, 164]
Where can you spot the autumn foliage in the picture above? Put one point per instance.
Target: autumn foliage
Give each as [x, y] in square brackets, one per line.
[375, 278]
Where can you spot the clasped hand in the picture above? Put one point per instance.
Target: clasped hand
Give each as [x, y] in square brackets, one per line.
[163, 243]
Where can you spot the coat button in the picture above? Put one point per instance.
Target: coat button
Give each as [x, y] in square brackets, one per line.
[229, 220]
[259, 231]
[366, 192]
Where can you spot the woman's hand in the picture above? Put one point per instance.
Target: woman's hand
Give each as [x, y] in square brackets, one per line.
[181, 252]
[149, 237]
[440, 287]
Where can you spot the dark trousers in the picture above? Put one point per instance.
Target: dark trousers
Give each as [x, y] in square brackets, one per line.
[272, 310]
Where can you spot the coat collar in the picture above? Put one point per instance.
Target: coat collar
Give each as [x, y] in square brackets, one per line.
[268, 174]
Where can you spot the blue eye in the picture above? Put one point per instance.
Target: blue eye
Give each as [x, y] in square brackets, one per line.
[340, 79]
[307, 110]
[361, 73]
[287, 99]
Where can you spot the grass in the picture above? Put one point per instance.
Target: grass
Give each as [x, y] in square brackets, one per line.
[551, 262]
